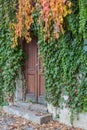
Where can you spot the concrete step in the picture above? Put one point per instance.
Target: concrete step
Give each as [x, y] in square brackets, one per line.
[34, 116]
[32, 106]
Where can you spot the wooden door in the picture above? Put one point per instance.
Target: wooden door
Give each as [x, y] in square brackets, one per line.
[34, 76]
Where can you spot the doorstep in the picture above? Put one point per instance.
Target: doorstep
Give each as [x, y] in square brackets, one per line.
[34, 112]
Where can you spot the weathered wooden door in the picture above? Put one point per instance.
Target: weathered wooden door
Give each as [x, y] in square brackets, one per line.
[33, 71]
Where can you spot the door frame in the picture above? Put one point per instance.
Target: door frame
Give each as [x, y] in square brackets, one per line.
[36, 97]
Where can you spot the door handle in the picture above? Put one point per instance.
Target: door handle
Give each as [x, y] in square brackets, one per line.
[37, 65]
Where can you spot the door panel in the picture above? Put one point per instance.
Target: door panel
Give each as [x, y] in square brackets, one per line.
[41, 90]
[41, 83]
[31, 84]
[31, 70]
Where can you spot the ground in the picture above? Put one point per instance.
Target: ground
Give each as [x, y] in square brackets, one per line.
[10, 122]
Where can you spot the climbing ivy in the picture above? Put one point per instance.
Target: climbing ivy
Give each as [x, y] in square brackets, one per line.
[64, 56]
[65, 61]
[10, 59]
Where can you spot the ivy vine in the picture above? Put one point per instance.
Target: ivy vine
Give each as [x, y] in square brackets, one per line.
[10, 59]
[64, 58]
[65, 61]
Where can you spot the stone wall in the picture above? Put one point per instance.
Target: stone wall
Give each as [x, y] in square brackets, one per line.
[19, 86]
[64, 117]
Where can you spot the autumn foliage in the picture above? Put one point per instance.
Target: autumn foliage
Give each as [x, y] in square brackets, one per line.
[53, 12]
[23, 21]
[51, 17]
